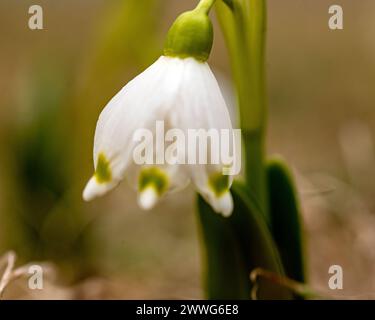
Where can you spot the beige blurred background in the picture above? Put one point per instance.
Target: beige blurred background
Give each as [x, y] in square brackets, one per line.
[55, 81]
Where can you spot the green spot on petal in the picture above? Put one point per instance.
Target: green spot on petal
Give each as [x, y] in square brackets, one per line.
[103, 172]
[155, 178]
[219, 183]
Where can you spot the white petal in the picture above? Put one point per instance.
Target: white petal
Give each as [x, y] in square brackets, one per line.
[202, 106]
[145, 99]
[94, 189]
[223, 204]
[178, 177]
[183, 92]
[201, 102]
[148, 198]
[174, 177]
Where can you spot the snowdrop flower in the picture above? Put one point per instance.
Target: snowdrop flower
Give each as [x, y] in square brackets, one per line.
[180, 89]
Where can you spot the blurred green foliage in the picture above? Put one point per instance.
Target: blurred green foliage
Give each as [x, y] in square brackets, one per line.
[43, 221]
[50, 140]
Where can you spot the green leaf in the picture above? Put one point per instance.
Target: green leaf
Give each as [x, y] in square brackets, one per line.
[235, 246]
[225, 275]
[285, 216]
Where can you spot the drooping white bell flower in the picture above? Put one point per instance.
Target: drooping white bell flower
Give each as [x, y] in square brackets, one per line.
[179, 89]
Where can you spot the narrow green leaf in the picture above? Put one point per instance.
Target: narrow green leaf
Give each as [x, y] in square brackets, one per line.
[225, 275]
[285, 216]
[235, 246]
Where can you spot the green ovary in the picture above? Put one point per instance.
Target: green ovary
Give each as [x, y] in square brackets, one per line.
[191, 35]
[155, 178]
[103, 172]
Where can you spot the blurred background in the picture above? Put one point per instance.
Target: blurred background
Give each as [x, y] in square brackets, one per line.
[54, 83]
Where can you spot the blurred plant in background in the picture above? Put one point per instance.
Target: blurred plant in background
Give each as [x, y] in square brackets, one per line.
[45, 221]
[44, 217]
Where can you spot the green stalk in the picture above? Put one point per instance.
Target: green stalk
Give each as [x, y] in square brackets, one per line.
[205, 5]
[243, 24]
[256, 10]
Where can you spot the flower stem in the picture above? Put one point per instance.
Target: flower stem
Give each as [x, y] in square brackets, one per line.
[253, 114]
[255, 174]
[244, 28]
[256, 19]
[205, 5]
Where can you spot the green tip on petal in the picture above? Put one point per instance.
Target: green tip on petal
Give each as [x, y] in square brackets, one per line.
[155, 178]
[103, 172]
[219, 184]
[191, 35]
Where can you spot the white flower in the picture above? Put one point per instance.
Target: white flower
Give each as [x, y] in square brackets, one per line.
[183, 93]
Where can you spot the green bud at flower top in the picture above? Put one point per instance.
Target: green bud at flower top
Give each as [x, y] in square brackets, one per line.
[191, 35]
